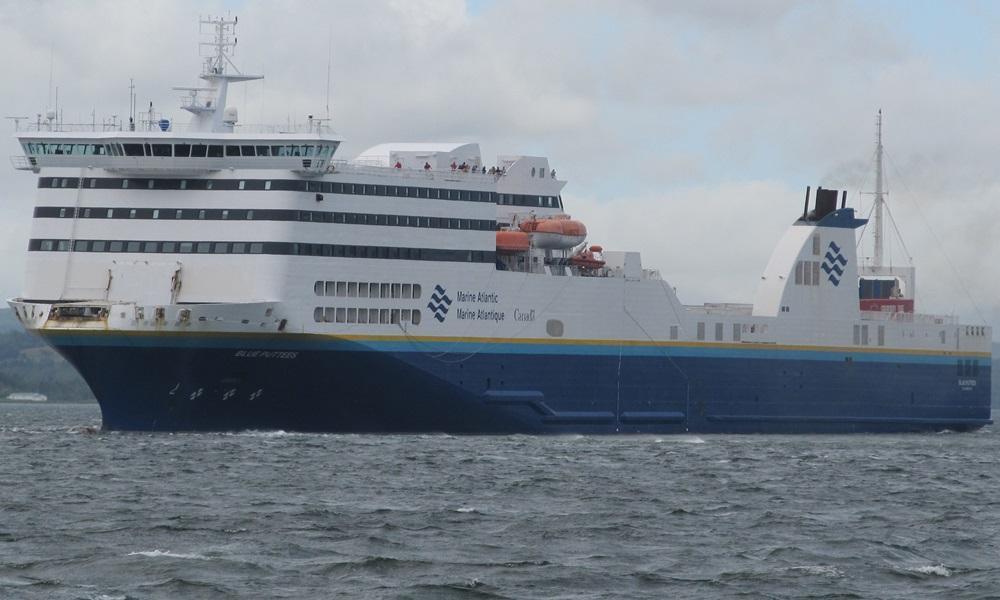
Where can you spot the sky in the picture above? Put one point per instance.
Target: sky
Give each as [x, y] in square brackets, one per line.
[687, 131]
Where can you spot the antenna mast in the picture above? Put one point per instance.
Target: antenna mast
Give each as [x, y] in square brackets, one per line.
[877, 227]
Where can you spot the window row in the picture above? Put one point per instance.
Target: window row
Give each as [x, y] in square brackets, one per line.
[375, 316]
[148, 149]
[807, 272]
[300, 185]
[364, 289]
[973, 330]
[273, 248]
[738, 329]
[310, 216]
[861, 335]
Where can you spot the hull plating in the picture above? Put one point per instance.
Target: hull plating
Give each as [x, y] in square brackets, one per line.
[179, 384]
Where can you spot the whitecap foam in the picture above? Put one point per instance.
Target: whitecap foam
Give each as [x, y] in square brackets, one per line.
[158, 553]
[820, 570]
[466, 509]
[937, 570]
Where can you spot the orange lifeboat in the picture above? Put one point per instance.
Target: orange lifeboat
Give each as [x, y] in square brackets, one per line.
[587, 259]
[555, 233]
[512, 241]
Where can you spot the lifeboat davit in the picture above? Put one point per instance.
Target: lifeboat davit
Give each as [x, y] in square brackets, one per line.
[555, 233]
[588, 259]
[512, 241]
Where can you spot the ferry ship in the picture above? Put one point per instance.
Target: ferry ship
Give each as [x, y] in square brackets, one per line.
[225, 277]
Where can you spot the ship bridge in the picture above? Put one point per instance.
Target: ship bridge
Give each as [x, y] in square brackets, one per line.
[151, 151]
[212, 141]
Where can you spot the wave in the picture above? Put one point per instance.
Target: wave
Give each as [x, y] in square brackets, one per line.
[820, 570]
[158, 553]
[936, 570]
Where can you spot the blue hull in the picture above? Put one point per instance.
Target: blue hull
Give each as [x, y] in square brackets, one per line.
[169, 383]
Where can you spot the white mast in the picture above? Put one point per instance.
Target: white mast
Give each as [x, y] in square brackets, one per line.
[209, 115]
[877, 227]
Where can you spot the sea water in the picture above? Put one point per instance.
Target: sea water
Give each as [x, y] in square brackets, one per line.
[92, 515]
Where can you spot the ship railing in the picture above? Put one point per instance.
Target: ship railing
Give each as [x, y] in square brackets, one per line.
[169, 126]
[721, 308]
[24, 163]
[368, 168]
[908, 317]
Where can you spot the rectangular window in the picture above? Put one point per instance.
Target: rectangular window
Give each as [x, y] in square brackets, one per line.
[342, 288]
[881, 335]
[394, 317]
[239, 248]
[99, 246]
[373, 290]
[169, 247]
[204, 247]
[363, 289]
[798, 273]
[384, 290]
[407, 290]
[80, 246]
[736, 332]
[701, 331]
[396, 290]
[150, 247]
[329, 315]
[341, 315]
[815, 245]
[187, 247]
[384, 316]
[815, 272]
[116, 246]
[352, 289]
[352, 315]
[362, 315]
[256, 248]
[806, 273]
[718, 332]
[864, 335]
[131, 213]
[673, 332]
[416, 290]
[132, 247]
[221, 247]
